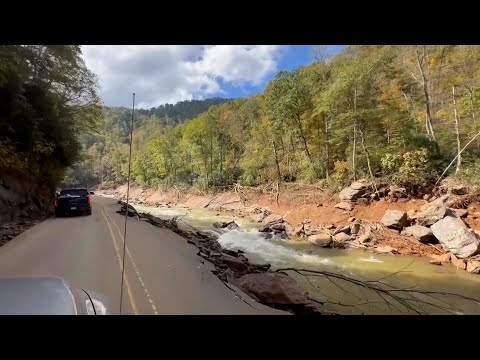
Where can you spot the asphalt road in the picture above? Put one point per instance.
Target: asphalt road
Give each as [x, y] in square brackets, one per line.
[163, 273]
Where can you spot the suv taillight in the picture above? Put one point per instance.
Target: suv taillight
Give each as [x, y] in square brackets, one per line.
[88, 199]
[56, 202]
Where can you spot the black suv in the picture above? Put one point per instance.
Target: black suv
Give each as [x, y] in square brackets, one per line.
[70, 201]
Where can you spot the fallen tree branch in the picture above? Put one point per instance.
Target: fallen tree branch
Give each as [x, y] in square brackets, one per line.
[455, 158]
[210, 201]
[412, 300]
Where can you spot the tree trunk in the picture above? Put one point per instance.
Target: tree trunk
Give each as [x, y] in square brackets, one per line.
[276, 160]
[426, 92]
[304, 140]
[470, 92]
[327, 148]
[457, 119]
[362, 138]
[211, 157]
[221, 160]
[354, 133]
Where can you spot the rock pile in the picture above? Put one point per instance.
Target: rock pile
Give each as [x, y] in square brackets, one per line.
[355, 234]
[438, 223]
[232, 225]
[275, 227]
[11, 230]
[363, 191]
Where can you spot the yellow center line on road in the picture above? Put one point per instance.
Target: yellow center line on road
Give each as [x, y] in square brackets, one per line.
[147, 293]
[119, 258]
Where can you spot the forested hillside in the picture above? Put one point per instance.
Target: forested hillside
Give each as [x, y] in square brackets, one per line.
[182, 110]
[401, 112]
[47, 99]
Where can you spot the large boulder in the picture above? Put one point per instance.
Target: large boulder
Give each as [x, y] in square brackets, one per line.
[442, 200]
[431, 214]
[273, 288]
[298, 231]
[355, 228]
[272, 219]
[461, 213]
[383, 249]
[394, 219]
[311, 230]
[458, 263]
[359, 185]
[344, 206]
[459, 190]
[341, 237]
[354, 191]
[232, 225]
[233, 262]
[441, 257]
[454, 235]
[258, 217]
[322, 239]
[280, 235]
[265, 229]
[349, 194]
[421, 233]
[473, 267]
[397, 191]
[278, 227]
[342, 229]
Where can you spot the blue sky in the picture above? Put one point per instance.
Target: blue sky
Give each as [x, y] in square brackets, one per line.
[160, 74]
[292, 57]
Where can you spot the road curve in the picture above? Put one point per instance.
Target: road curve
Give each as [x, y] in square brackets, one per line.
[163, 273]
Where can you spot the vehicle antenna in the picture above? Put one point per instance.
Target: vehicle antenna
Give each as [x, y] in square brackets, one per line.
[126, 210]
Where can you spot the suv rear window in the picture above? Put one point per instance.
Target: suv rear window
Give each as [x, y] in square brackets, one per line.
[74, 192]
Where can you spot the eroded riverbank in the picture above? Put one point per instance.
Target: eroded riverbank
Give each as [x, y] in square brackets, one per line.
[401, 271]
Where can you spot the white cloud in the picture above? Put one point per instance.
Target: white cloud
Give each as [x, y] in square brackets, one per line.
[161, 74]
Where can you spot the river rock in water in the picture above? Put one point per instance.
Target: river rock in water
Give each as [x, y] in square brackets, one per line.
[341, 237]
[258, 217]
[278, 227]
[342, 229]
[281, 235]
[459, 264]
[232, 226]
[473, 267]
[233, 262]
[273, 288]
[322, 239]
[219, 225]
[272, 219]
[441, 257]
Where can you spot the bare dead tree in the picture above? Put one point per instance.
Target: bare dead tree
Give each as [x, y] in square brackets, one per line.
[362, 138]
[457, 132]
[448, 167]
[403, 300]
[276, 160]
[354, 133]
[422, 60]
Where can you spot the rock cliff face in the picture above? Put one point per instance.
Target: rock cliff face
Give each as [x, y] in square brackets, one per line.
[20, 200]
